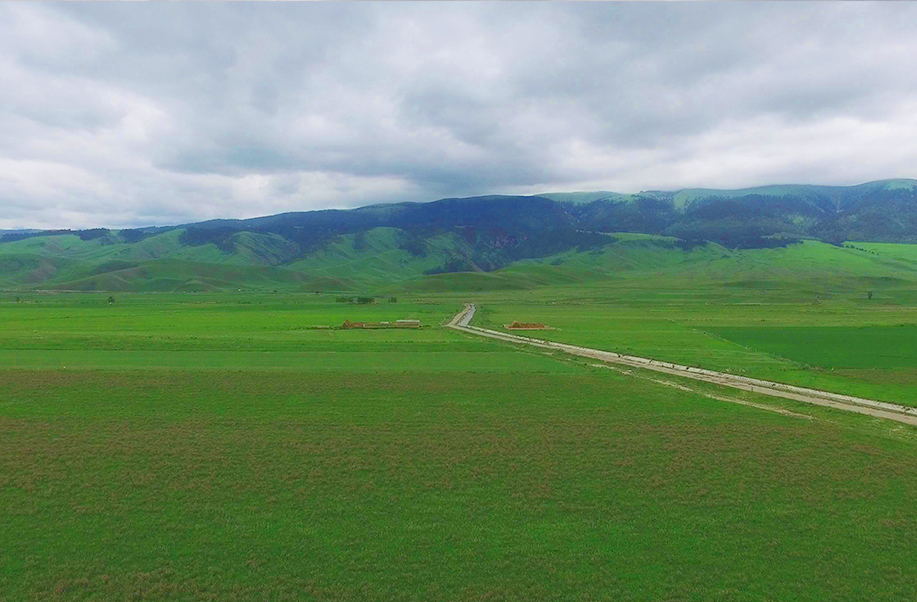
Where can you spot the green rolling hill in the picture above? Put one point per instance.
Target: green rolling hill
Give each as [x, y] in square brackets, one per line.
[756, 236]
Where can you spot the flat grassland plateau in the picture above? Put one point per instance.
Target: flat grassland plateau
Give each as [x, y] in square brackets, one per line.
[220, 446]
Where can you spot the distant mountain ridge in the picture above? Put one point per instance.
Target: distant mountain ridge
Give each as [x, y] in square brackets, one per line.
[337, 249]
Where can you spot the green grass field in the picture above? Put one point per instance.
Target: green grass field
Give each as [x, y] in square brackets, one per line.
[879, 347]
[840, 342]
[223, 447]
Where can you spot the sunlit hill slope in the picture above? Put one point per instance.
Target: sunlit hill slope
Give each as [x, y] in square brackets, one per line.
[758, 235]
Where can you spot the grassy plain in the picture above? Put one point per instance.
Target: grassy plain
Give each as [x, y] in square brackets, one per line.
[222, 447]
[834, 338]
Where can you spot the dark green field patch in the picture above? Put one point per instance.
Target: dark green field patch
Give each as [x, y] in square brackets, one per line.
[900, 376]
[832, 346]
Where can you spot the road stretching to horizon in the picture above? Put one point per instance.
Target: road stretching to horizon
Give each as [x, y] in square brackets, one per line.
[880, 409]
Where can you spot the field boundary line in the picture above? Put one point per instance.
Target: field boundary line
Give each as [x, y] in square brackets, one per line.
[880, 409]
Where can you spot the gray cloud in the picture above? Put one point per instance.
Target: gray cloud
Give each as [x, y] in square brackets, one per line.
[125, 115]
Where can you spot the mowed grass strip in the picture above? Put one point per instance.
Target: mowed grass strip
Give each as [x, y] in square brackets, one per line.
[338, 340]
[586, 485]
[330, 361]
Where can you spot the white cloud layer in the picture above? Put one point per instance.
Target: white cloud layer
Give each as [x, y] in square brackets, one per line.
[127, 115]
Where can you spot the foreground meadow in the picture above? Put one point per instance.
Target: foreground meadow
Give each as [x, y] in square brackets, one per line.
[223, 447]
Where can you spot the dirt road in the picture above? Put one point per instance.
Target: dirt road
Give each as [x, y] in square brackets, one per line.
[908, 415]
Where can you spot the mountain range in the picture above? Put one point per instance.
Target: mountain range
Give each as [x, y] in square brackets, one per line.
[479, 242]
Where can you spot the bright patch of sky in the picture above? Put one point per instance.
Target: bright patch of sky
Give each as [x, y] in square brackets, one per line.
[145, 114]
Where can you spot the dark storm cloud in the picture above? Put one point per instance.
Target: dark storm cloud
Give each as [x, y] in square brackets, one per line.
[160, 113]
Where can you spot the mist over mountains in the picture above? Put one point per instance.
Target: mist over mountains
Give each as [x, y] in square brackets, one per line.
[338, 248]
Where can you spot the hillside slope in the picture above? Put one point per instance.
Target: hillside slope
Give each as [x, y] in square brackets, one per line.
[809, 268]
[495, 241]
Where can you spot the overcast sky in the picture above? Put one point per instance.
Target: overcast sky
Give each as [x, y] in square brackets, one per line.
[140, 114]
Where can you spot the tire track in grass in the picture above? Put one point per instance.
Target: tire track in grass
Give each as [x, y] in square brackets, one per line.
[743, 402]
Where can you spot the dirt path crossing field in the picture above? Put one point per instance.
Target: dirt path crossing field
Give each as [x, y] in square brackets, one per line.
[880, 409]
